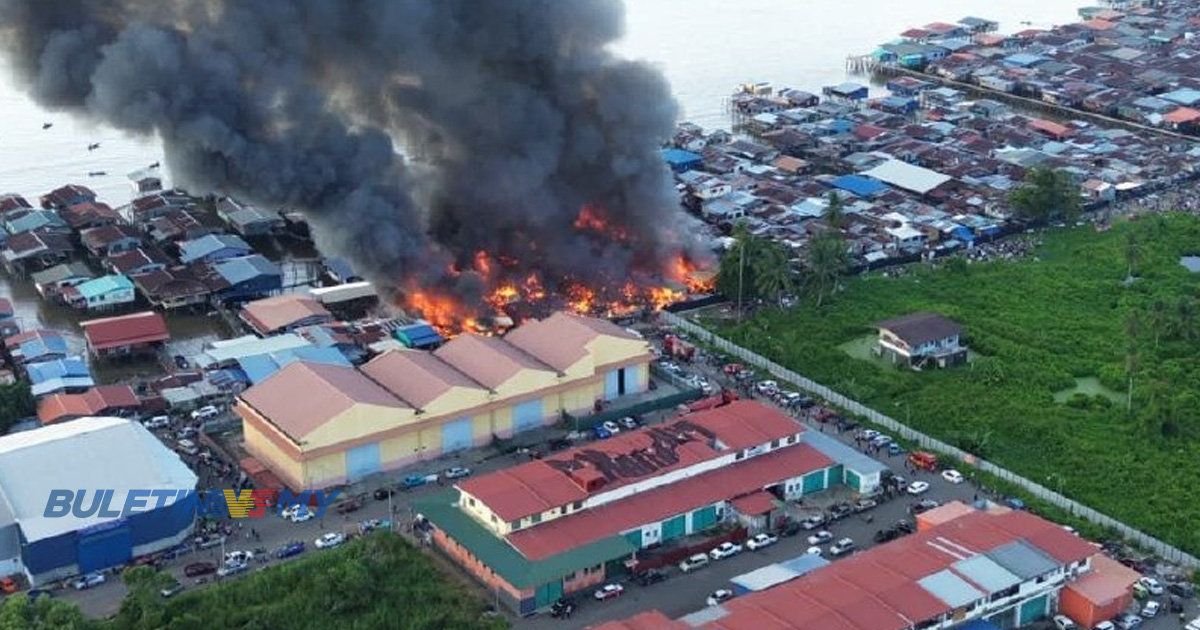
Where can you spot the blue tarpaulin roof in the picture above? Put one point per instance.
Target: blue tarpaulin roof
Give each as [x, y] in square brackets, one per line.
[260, 367]
[679, 157]
[418, 335]
[963, 234]
[859, 185]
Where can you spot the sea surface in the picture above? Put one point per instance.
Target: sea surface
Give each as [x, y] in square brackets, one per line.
[704, 47]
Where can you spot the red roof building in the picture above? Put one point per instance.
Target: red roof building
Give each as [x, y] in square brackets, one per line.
[99, 401]
[983, 564]
[125, 335]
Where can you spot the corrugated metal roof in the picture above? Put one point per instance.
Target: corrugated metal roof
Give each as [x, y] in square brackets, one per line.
[805, 563]
[106, 284]
[842, 454]
[1023, 560]
[206, 246]
[705, 616]
[984, 571]
[238, 270]
[233, 349]
[950, 588]
[764, 577]
[31, 466]
[260, 367]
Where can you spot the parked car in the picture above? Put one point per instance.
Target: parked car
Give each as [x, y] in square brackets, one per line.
[649, 576]
[719, 596]
[416, 481]
[289, 549]
[1151, 609]
[1105, 625]
[205, 412]
[332, 539]
[840, 511]
[766, 387]
[303, 514]
[196, 569]
[187, 446]
[1182, 589]
[725, 550]
[951, 475]
[895, 449]
[600, 432]
[172, 590]
[629, 423]
[348, 506]
[1063, 622]
[812, 522]
[181, 362]
[841, 547]
[918, 487]
[457, 472]
[157, 422]
[869, 434]
[233, 569]
[924, 506]
[1129, 622]
[697, 561]
[905, 526]
[820, 538]
[761, 540]
[814, 551]
[611, 426]
[562, 608]
[186, 433]
[881, 440]
[609, 591]
[382, 494]
[88, 581]
[1152, 585]
[791, 529]
[862, 505]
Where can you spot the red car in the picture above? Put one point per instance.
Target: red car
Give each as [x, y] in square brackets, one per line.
[196, 569]
[609, 591]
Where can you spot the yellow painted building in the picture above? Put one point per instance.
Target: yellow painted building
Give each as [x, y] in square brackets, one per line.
[319, 425]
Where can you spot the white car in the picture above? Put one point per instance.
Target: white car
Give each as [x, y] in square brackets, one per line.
[457, 472]
[820, 537]
[766, 387]
[869, 434]
[88, 581]
[1151, 585]
[953, 476]
[233, 568]
[611, 426]
[239, 557]
[303, 514]
[206, 412]
[188, 446]
[719, 596]
[918, 487]
[157, 422]
[841, 547]
[1063, 622]
[609, 591]
[1129, 622]
[332, 539]
[761, 540]
[725, 550]
[1105, 625]
[1151, 609]
[814, 551]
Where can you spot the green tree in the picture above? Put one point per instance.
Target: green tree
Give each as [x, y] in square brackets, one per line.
[19, 613]
[1157, 319]
[772, 272]
[1133, 330]
[835, 211]
[827, 260]
[16, 402]
[1185, 323]
[1047, 194]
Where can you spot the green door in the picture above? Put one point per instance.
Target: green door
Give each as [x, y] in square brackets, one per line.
[634, 537]
[853, 480]
[674, 528]
[814, 482]
[1033, 610]
[549, 593]
[704, 518]
[835, 476]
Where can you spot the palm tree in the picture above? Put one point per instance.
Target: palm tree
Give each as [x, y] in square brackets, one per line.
[1186, 311]
[1133, 252]
[1158, 319]
[772, 272]
[827, 258]
[1132, 331]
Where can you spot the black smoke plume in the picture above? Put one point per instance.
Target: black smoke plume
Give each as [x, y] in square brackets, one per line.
[513, 115]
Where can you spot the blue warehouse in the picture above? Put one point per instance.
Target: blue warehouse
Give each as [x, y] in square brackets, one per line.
[93, 454]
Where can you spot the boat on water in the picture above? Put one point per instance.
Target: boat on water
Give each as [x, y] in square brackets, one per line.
[97, 173]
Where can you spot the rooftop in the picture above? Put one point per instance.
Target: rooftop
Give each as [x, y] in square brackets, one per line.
[490, 361]
[276, 313]
[92, 402]
[206, 246]
[31, 464]
[566, 477]
[417, 377]
[329, 391]
[913, 178]
[920, 328]
[136, 328]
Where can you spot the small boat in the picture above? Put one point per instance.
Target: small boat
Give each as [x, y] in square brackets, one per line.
[47, 125]
[93, 146]
[97, 173]
[155, 165]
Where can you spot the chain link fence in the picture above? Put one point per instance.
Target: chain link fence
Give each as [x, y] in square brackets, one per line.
[1165, 551]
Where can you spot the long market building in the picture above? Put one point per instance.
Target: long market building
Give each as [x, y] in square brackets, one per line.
[562, 524]
[316, 425]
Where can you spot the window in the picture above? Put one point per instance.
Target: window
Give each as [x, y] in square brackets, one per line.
[515, 525]
[578, 505]
[471, 502]
[494, 518]
[739, 455]
[774, 443]
[536, 518]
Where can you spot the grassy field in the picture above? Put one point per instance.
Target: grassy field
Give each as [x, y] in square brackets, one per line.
[377, 582]
[1036, 326]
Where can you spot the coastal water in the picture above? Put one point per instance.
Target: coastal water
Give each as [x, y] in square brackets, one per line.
[704, 47]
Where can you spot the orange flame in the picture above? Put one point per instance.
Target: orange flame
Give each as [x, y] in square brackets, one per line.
[592, 219]
[483, 264]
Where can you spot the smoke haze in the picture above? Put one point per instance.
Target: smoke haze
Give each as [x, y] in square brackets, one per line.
[514, 116]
